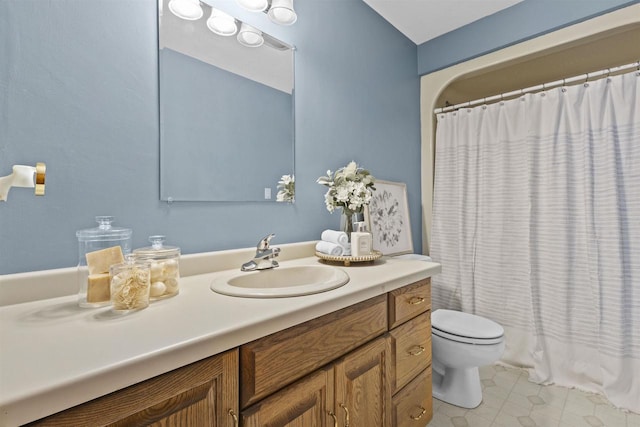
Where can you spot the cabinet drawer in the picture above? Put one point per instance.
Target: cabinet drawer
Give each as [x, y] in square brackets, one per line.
[274, 361]
[409, 301]
[411, 349]
[413, 405]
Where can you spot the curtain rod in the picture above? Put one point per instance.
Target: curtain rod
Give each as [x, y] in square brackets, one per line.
[581, 78]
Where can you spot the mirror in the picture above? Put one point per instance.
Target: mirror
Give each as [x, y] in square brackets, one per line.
[226, 113]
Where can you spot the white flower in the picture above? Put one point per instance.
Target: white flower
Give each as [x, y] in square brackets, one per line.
[286, 189]
[349, 188]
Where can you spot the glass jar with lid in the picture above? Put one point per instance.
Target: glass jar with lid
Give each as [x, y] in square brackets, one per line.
[165, 267]
[99, 248]
[130, 284]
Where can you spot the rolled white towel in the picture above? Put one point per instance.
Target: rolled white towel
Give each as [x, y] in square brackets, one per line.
[337, 237]
[329, 248]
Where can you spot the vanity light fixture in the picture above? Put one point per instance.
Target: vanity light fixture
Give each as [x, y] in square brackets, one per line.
[281, 12]
[250, 36]
[186, 9]
[222, 23]
[254, 5]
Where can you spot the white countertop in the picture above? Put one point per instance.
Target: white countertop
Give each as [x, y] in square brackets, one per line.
[56, 355]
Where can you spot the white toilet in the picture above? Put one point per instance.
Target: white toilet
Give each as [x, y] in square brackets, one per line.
[461, 342]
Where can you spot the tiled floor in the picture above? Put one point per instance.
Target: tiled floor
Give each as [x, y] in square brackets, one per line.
[510, 400]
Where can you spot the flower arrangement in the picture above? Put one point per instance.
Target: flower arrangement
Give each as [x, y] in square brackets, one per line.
[286, 189]
[349, 188]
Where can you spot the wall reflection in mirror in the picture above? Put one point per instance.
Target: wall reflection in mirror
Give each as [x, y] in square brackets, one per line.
[226, 107]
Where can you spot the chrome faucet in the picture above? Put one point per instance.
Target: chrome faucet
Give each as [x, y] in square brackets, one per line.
[264, 258]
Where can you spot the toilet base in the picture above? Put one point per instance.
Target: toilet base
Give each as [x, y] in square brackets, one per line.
[458, 386]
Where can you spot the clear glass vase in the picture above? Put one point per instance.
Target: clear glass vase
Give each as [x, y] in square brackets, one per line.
[346, 223]
[347, 219]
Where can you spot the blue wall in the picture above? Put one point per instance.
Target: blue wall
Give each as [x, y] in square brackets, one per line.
[523, 21]
[79, 91]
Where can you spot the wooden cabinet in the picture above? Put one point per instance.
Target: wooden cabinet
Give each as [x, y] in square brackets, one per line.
[201, 394]
[312, 374]
[410, 332]
[354, 390]
[367, 365]
[272, 362]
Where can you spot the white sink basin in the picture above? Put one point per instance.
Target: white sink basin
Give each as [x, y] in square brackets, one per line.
[281, 282]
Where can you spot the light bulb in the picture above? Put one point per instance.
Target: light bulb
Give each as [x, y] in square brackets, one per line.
[222, 23]
[250, 36]
[254, 5]
[186, 9]
[281, 12]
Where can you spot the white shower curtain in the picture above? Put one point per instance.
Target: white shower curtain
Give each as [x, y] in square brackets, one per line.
[537, 225]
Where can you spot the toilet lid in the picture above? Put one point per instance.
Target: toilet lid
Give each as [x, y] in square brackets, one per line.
[463, 327]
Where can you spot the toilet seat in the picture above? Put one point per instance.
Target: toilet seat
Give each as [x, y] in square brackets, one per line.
[465, 327]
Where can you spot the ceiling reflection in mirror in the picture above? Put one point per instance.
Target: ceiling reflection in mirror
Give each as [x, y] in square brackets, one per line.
[226, 111]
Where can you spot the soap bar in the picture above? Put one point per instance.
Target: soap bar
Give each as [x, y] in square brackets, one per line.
[99, 262]
[98, 288]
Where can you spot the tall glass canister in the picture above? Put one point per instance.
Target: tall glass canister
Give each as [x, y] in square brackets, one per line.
[98, 249]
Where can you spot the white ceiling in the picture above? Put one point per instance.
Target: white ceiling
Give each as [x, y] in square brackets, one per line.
[422, 20]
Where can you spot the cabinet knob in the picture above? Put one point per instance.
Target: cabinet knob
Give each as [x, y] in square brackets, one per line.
[346, 417]
[416, 350]
[235, 417]
[417, 417]
[335, 419]
[416, 300]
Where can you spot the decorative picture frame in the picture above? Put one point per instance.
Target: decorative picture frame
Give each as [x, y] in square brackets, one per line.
[388, 218]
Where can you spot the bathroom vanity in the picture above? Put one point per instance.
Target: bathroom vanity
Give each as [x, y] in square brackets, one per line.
[356, 355]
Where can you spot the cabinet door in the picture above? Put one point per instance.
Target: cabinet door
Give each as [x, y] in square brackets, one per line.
[200, 394]
[363, 391]
[306, 403]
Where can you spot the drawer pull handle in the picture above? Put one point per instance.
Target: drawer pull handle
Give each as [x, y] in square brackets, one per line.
[335, 419]
[346, 419]
[417, 417]
[416, 350]
[416, 300]
[235, 417]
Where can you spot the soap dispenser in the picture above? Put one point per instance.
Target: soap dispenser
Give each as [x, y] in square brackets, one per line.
[361, 240]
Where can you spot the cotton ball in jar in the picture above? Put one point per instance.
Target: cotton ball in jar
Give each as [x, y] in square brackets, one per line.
[171, 267]
[157, 272]
[157, 289]
[172, 285]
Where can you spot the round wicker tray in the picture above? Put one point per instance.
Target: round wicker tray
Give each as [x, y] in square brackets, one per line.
[347, 260]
